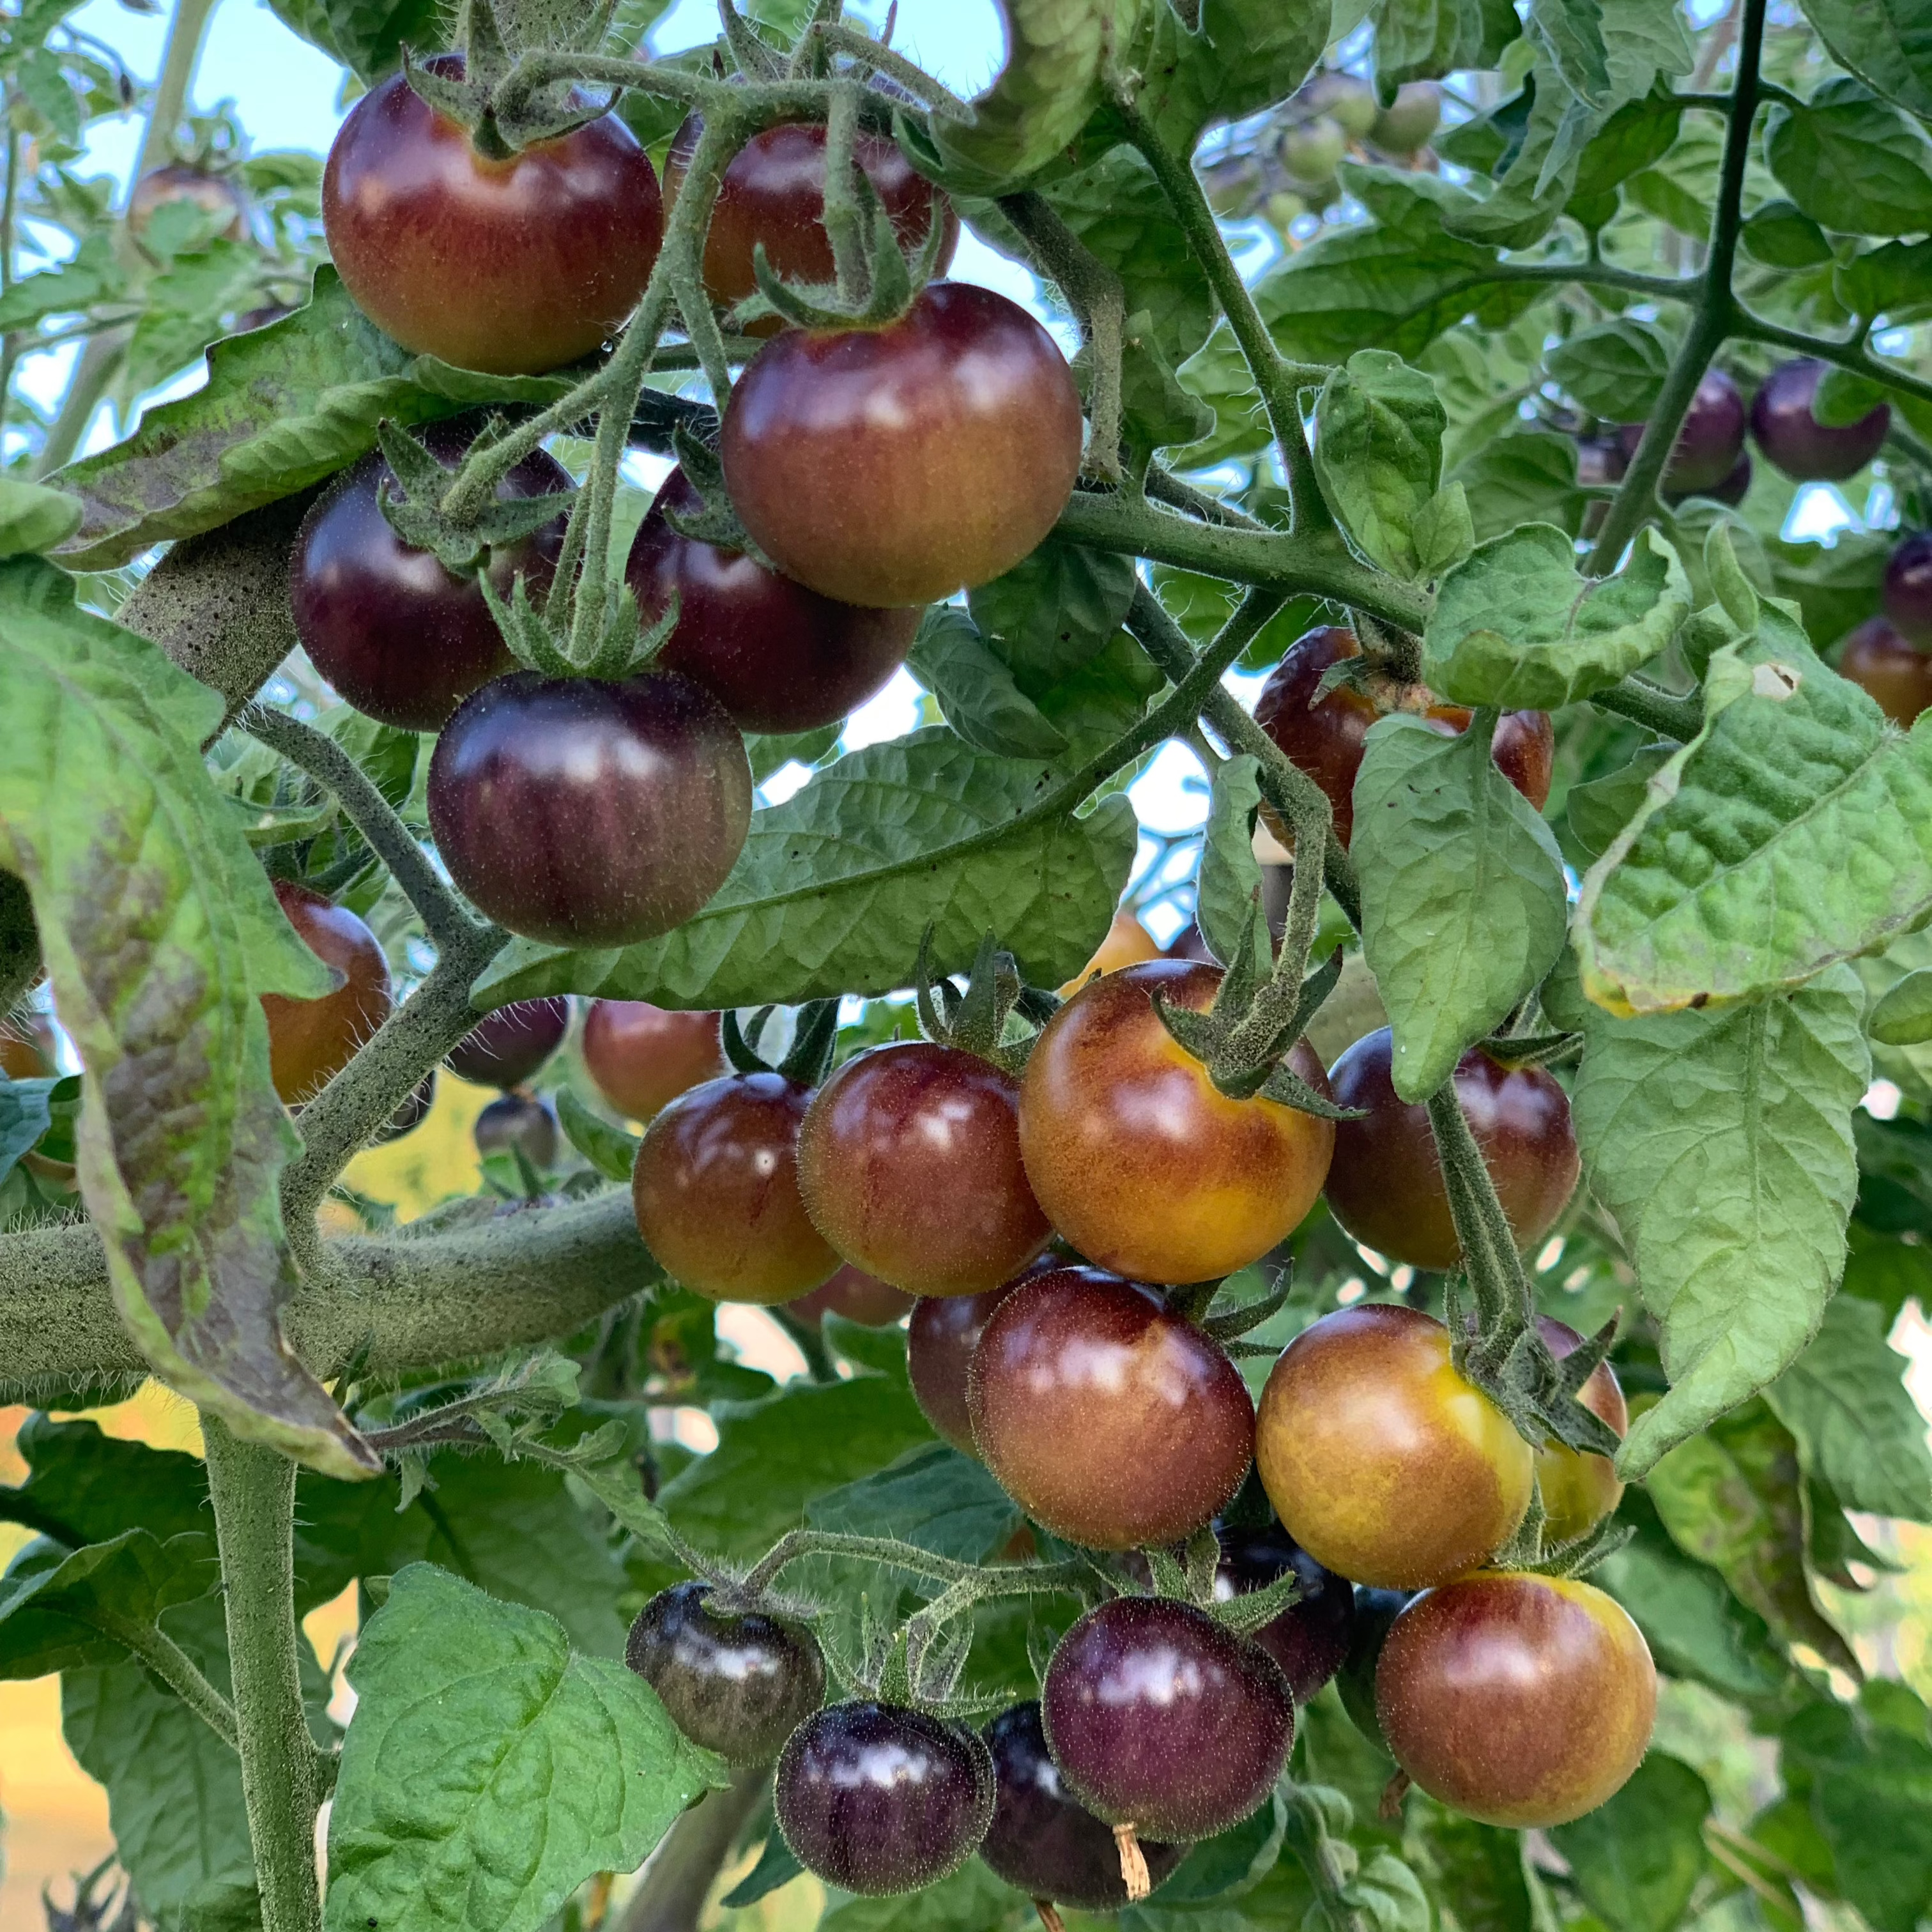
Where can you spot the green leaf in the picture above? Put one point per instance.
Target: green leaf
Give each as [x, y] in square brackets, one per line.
[607, 1147]
[1463, 906]
[83, 1486]
[1571, 33]
[971, 1900]
[160, 931]
[1479, 1867]
[181, 313]
[34, 519]
[932, 1496]
[93, 274]
[58, 1607]
[1054, 610]
[1858, 1429]
[1887, 43]
[1518, 626]
[976, 691]
[1721, 1141]
[490, 1770]
[283, 407]
[1445, 533]
[1230, 877]
[1794, 830]
[1851, 161]
[1600, 809]
[1637, 1858]
[1782, 235]
[1891, 281]
[1248, 55]
[367, 35]
[1526, 476]
[1903, 1017]
[24, 1116]
[834, 887]
[1833, 586]
[1615, 369]
[1378, 427]
[1423, 39]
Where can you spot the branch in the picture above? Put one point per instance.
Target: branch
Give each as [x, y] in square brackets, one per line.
[1661, 711]
[1851, 354]
[175, 1668]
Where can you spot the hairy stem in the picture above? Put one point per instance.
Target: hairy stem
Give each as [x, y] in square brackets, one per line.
[682, 1869]
[254, 1492]
[1504, 1307]
[1663, 712]
[175, 1668]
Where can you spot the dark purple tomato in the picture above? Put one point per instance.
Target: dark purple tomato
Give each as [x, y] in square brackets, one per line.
[1159, 1718]
[1579, 1489]
[909, 1160]
[878, 1799]
[738, 1684]
[941, 1335]
[1709, 443]
[585, 813]
[1310, 1639]
[858, 1297]
[507, 1046]
[1375, 1613]
[1908, 588]
[1884, 663]
[511, 266]
[716, 1187]
[1733, 490]
[399, 636]
[179, 181]
[1111, 1420]
[519, 1123]
[1795, 441]
[894, 466]
[1517, 1699]
[1600, 460]
[773, 195]
[412, 1113]
[1043, 1841]
[778, 657]
[1385, 1184]
[311, 1041]
[643, 1057]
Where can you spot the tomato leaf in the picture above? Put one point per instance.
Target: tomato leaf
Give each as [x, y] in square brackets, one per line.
[55, 1613]
[1846, 156]
[1616, 370]
[160, 931]
[490, 1770]
[1230, 877]
[1054, 610]
[1526, 476]
[1378, 427]
[976, 691]
[1886, 43]
[1463, 905]
[835, 885]
[367, 35]
[1636, 1859]
[1246, 55]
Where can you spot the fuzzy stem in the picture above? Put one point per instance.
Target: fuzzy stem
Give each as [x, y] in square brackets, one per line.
[1661, 711]
[1505, 1306]
[175, 1668]
[682, 1869]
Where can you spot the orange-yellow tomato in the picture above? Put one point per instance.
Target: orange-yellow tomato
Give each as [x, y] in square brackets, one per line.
[311, 1041]
[1579, 1489]
[1381, 1460]
[1127, 943]
[1144, 1166]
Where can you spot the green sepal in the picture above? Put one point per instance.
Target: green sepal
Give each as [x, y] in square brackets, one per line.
[814, 1040]
[740, 1044]
[1287, 1089]
[1249, 1611]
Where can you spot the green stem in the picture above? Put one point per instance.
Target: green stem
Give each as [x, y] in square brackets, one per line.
[1661, 711]
[1711, 322]
[1505, 1306]
[1850, 354]
[1328, 1862]
[175, 1668]
[682, 1869]
[254, 1492]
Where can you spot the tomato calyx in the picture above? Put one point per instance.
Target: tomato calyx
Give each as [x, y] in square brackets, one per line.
[976, 1021]
[479, 89]
[1531, 1552]
[412, 504]
[807, 1061]
[717, 523]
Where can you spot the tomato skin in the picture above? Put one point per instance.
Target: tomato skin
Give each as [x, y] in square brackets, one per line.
[1310, 1639]
[910, 1161]
[1579, 1489]
[1908, 588]
[1326, 737]
[511, 267]
[400, 637]
[1381, 1460]
[773, 192]
[1385, 1185]
[1127, 943]
[895, 465]
[777, 656]
[514, 1122]
[1709, 443]
[28, 1050]
[311, 1041]
[857, 1296]
[179, 180]
[1109, 1419]
[1144, 1167]
[1882, 661]
[941, 1334]
[506, 1047]
[587, 813]
[715, 1189]
[1520, 1700]
[641, 1057]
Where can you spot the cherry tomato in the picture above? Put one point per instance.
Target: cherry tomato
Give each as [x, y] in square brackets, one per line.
[1160, 1718]
[858, 1297]
[519, 1124]
[879, 1799]
[178, 182]
[1579, 1489]
[941, 1334]
[716, 1187]
[777, 656]
[737, 1683]
[1111, 1420]
[585, 813]
[1127, 943]
[311, 1041]
[773, 195]
[894, 466]
[1732, 487]
[1325, 735]
[1381, 1461]
[509, 1045]
[1138, 1159]
[909, 1160]
[643, 1057]
[1310, 1639]
[510, 266]
[1385, 1185]
[399, 636]
[1520, 1700]
[1708, 444]
[1882, 661]
[1908, 588]
[1794, 440]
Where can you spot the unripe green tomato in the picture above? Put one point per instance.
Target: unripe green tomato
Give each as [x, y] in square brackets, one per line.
[1349, 103]
[1311, 152]
[1283, 210]
[1404, 127]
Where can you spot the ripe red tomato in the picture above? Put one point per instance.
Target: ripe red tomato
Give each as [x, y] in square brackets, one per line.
[773, 193]
[1521, 1700]
[1111, 1420]
[909, 1160]
[715, 1189]
[858, 1297]
[586, 813]
[893, 465]
[1579, 1489]
[1138, 1160]
[511, 266]
[311, 1041]
[1382, 1462]
[1325, 737]
[402, 639]
[1884, 663]
[1385, 1184]
[643, 1057]
[779, 657]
